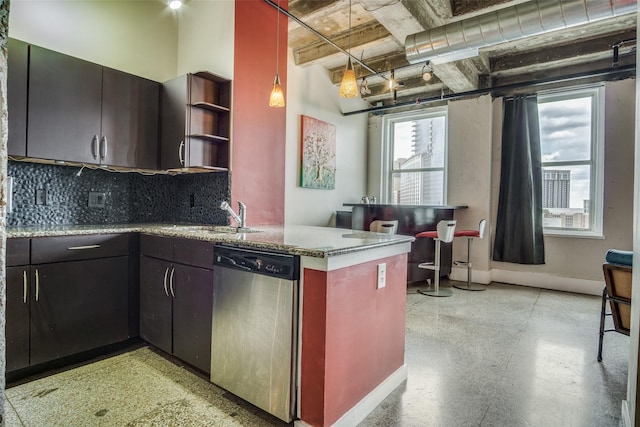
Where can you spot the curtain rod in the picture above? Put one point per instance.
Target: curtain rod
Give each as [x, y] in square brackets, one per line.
[619, 71]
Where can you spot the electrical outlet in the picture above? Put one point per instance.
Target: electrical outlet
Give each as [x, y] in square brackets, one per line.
[41, 197]
[192, 200]
[97, 199]
[382, 275]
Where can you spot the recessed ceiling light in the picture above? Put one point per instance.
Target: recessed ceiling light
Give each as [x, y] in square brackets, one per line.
[175, 4]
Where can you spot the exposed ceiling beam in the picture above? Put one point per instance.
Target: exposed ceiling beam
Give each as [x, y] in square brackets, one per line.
[591, 47]
[308, 8]
[549, 73]
[361, 36]
[460, 75]
[463, 7]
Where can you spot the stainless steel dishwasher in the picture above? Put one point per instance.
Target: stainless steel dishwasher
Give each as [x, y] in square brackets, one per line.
[253, 344]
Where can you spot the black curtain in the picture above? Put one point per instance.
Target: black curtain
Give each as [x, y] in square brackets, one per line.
[519, 237]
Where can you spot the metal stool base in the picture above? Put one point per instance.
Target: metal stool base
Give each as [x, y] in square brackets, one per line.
[432, 292]
[471, 287]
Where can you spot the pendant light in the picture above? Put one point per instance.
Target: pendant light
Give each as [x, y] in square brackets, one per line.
[277, 97]
[349, 85]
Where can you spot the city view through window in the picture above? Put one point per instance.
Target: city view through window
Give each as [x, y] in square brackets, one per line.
[418, 176]
[565, 140]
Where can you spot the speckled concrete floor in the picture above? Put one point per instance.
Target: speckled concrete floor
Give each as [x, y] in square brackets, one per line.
[509, 356]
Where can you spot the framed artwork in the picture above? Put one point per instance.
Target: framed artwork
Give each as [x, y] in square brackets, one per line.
[318, 152]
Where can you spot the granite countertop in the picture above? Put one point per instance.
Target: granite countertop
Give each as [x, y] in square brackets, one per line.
[320, 242]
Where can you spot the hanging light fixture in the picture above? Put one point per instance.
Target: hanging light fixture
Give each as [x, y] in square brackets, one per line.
[427, 71]
[175, 4]
[277, 96]
[349, 85]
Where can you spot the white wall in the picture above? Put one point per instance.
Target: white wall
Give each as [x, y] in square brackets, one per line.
[206, 37]
[469, 178]
[575, 264]
[138, 37]
[311, 93]
[630, 404]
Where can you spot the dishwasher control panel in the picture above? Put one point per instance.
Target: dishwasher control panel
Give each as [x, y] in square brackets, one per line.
[283, 266]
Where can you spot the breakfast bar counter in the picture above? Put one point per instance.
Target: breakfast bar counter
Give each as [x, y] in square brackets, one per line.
[412, 219]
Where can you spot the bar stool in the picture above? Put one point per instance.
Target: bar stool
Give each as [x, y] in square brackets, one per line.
[444, 232]
[470, 235]
[387, 227]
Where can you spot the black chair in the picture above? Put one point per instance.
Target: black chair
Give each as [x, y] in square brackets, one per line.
[617, 291]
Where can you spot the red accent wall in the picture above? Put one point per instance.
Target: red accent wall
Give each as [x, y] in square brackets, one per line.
[352, 336]
[258, 144]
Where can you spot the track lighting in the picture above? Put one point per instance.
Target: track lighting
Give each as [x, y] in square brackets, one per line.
[427, 72]
[364, 88]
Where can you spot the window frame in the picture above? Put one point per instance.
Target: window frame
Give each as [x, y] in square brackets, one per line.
[596, 163]
[388, 122]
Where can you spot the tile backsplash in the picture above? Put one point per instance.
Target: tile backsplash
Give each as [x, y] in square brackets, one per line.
[129, 197]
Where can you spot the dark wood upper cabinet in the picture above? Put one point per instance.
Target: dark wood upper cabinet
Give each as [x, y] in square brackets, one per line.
[65, 105]
[129, 120]
[17, 79]
[79, 111]
[195, 122]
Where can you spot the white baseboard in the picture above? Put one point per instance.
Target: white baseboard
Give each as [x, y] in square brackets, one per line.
[460, 274]
[547, 281]
[526, 278]
[626, 416]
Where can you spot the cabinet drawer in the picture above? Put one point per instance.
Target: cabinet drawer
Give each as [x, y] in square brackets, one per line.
[17, 252]
[72, 248]
[193, 252]
[156, 246]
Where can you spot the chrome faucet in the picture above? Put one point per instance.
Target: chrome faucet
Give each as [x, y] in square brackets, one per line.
[241, 219]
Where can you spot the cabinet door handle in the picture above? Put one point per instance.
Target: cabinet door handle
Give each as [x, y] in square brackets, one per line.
[24, 287]
[37, 285]
[166, 272]
[81, 248]
[181, 151]
[173, 270]
[94, 147]
[104, 146]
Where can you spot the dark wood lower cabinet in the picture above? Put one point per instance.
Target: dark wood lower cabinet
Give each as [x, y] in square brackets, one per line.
[17, 317]
[78, 306]
[192, 309]
[70, 295]
[155, 303]
[175, 309]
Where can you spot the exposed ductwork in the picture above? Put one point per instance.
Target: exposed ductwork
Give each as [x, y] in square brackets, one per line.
[452, 41]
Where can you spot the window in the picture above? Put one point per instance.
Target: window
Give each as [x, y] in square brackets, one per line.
[414, 171]
[571, 140]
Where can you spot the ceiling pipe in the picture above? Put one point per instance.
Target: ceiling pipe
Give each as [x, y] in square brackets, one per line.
[509, 24]
[607, 74]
